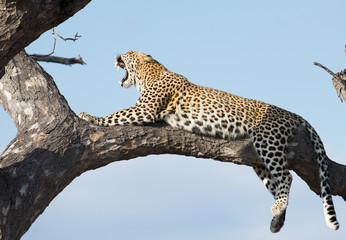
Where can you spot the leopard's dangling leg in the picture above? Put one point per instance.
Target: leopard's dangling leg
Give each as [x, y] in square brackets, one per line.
[264, 174]
[270, 144]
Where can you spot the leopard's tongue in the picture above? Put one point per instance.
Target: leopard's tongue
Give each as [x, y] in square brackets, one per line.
[124, 78]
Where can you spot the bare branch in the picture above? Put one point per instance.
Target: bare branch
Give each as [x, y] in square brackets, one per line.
[76, 36]
[53, 48]
[66, 61]
[55, 59]
[37, 56]
[325, 68]
[339, 81]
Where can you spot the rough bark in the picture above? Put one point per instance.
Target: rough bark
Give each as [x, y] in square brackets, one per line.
[23, 21]
[53, 146]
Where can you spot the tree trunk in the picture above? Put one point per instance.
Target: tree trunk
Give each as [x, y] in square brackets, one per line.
[53, 146]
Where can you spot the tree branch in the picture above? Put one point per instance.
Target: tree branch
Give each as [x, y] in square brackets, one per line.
[67, 61]
[339, 81]
[325, 68]
[76, 36]
[53, 147]
[55, 59]
[50, 52]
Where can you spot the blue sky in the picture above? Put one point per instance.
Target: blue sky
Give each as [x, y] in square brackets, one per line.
[258, 49]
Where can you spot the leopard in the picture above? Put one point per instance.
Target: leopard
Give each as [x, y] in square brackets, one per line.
[170, 97]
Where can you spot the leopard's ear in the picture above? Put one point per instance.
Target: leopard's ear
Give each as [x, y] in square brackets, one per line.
[149, 59]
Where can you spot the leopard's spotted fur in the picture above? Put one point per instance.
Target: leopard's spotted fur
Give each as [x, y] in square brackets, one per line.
[171, 97]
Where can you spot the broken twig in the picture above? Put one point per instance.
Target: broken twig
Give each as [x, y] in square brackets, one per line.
[339, 81]
[66, 61]
[52, 50]
[76, 36]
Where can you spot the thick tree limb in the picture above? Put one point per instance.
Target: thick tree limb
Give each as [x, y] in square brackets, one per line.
[339, 81]
[53, 147]
[23, 21]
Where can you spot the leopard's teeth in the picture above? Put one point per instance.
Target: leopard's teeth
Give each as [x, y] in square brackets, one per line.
[118, 68]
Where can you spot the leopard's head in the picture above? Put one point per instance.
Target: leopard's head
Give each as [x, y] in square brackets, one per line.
[140, 68]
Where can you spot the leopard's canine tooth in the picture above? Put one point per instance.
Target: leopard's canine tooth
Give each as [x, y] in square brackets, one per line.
[117, 64]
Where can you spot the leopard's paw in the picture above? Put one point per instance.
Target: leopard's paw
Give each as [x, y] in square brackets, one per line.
[277, 222]
[280, 205]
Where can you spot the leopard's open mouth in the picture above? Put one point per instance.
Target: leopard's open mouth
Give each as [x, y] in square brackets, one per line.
[120, 63]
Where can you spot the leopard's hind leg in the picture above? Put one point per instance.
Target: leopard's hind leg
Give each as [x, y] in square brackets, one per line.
[264, 174]
[270, 143]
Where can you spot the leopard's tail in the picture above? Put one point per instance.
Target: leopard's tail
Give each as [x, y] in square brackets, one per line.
[322, 160]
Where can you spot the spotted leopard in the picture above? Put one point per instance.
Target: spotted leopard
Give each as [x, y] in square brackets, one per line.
[168, 96]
